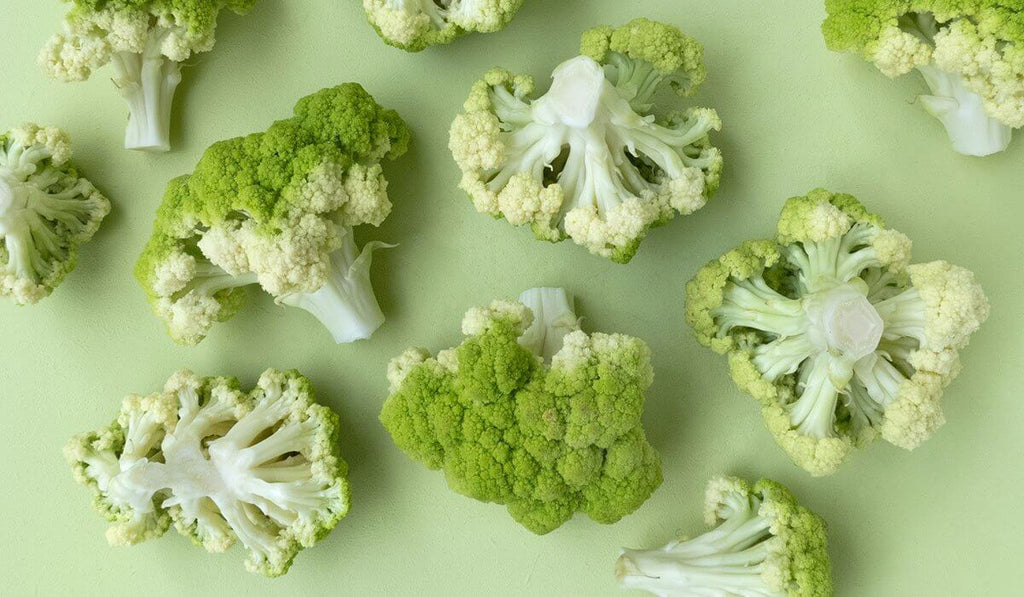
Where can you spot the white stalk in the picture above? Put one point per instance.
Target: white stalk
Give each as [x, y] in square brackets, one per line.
[972, 131]
[553, 318]
[346, 305]
[147, 82]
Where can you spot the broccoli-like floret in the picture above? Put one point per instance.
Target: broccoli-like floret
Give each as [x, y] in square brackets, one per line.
[589, 160]
[762, 544]
[146, 41]
[971, 55]
[834, 332]
[531, 413]
[278, 209]
[220, 465]
[414, 25]
[46, 211]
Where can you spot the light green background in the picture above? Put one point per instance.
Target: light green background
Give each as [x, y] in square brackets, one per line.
[944, 520]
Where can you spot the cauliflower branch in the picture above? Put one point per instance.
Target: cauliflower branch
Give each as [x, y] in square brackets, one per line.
[414, 25]
[530, 412]
[762, 544]
[588, 160]
[834, 332]
[145, 41]
[971, 55]
[278, 209]
[46, 211]
[220, 465]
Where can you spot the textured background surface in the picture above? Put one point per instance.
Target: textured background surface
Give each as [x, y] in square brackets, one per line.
[939, 521]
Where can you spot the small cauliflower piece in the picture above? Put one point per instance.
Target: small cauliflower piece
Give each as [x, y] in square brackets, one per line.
[834, 332]
[531, 413]
[414, 25]
[589, 160]
[221, 465]
[762, 543]
[47, 210]
[145, 41]
[278, 209]
[970, 54]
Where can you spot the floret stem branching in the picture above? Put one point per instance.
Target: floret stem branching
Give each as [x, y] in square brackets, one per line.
[905, 315]
[753, 304]
[210, 279]
[728, 560]
[813, 413]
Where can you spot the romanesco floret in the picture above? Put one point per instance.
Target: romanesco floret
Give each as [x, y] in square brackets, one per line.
[278, 209]
[832, 329]
[145, 41]
[414, 25]
[589, 160]
[762, 543]
[531, 413]
[971, 55]
[221, 465]
[46, 211]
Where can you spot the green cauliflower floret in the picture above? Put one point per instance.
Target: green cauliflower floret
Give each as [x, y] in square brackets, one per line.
[531, 413]
[762, 543]
[146, 41]
[589, 160]
[221, 465]
[414, 25]
[834, 332]
[970, 53]
[278, 209]
[46, 211]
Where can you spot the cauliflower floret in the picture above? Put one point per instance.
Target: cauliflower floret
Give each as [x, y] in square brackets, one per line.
[589, 160]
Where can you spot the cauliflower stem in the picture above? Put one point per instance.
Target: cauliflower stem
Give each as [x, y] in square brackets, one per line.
[147, 81]
[346, 304]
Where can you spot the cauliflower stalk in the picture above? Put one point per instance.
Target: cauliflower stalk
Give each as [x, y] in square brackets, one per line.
[762, 543]
[221, 465]
[832, 329]
[145, 41]
[414, 25]
[278, 209]
[971, 55]
[46, 211]
[588, 160]
[531, 413]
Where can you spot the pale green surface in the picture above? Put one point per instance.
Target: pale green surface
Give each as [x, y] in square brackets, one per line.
[943, 520]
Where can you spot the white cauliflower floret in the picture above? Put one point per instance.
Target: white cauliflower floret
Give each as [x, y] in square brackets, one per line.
[145, 45]
[174, 273]
[898, 52]
[479, 320]
[415, 24]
